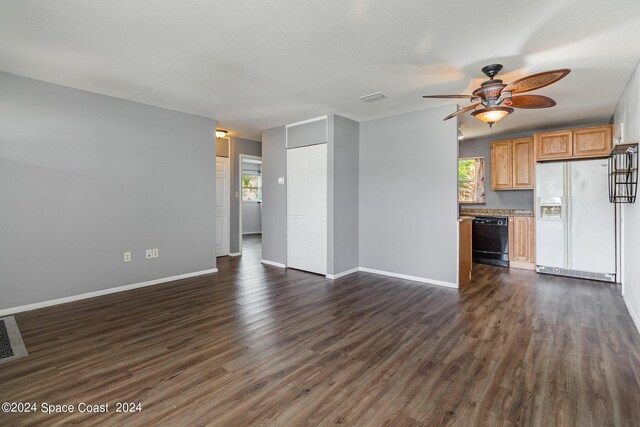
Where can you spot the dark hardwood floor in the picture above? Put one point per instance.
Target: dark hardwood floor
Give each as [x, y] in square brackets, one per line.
[259, 345]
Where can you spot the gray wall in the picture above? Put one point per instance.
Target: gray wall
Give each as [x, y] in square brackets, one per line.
[222, 147]
[305, 134]
[86, 177]
[274, 196]
[251, 218]
[628, 112]
[505, 199]
[408, 194]
[344, 217]
[238, 146]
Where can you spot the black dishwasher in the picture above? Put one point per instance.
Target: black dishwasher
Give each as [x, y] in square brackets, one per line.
[491, 240]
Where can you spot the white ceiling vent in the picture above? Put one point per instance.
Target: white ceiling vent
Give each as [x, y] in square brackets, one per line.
[372, 97]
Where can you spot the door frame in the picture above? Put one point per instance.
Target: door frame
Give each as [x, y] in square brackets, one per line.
[227, 229]
[241, 158]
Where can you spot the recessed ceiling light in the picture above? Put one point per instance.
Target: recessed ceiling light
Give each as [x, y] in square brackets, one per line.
[372, 97]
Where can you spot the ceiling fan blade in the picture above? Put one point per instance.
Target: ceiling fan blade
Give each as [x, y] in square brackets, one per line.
[536, 81]
[530, 101]
[448, 96]
[462, 110]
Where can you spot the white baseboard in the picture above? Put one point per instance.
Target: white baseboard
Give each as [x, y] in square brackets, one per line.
[234, 254]
[275, 264]
[29, 307]
[407, 277]
[634, 315]
[342, 274]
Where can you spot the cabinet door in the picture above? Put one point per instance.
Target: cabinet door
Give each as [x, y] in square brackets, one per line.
[554, 145]
[592, 142]
[523, 163]
[501, 169]
[521, 239]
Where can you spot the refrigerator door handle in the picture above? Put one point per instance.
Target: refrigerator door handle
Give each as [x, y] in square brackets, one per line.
[568, 216]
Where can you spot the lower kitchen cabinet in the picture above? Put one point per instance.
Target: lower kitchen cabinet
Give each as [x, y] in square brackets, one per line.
[522, 242]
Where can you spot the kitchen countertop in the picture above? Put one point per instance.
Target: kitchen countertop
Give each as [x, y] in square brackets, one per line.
[472, 212]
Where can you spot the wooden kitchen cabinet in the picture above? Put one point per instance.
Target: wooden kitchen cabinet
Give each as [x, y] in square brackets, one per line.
[554, 145]
[592, 142]
[522, 242]
[523, 163]
[501, 165]
[512, 164]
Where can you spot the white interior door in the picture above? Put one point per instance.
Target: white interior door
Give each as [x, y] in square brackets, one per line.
[592, 229]
[307, 208]
[223, 201]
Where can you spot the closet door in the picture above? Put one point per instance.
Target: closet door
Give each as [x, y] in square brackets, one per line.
[307, 208]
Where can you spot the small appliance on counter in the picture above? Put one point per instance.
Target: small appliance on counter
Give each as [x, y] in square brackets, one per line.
[490, 240]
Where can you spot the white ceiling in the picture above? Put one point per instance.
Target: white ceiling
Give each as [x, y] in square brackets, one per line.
[254, 65]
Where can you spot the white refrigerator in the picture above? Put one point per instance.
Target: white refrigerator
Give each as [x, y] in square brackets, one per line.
[575, 222]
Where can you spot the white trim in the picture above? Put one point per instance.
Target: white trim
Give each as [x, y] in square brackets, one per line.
[342, 274]
[234, 254]
[407, 277]
[634, 315]
[275, 264]
[315, 119]
[101, 292]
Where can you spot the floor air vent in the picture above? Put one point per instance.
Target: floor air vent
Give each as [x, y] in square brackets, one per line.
[603, 277]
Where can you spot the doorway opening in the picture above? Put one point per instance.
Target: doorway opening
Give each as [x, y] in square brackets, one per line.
[250, 212]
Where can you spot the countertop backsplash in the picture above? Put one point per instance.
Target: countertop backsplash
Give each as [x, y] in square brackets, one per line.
[497, 212]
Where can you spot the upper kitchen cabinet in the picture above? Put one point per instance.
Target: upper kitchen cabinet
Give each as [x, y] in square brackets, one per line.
[512, 164]
[592, 142]
[501, 169]
[554, 145]
[523, 163]
[569, 144]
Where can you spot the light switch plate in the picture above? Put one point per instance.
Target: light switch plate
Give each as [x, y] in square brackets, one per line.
[154, 252]
[149, 253]
[281, 180]
[127, 257]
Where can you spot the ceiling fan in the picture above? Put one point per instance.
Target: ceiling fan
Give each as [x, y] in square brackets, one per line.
[494, 100]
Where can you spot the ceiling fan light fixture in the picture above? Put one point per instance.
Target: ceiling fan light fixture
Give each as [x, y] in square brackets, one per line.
[221, 133]
[491, 115]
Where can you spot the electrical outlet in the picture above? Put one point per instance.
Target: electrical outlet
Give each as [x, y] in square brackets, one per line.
[149, 253]
[154, 252]
[127, 257]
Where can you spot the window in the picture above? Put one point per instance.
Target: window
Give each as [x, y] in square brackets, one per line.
[251, 188]
[471, 180]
